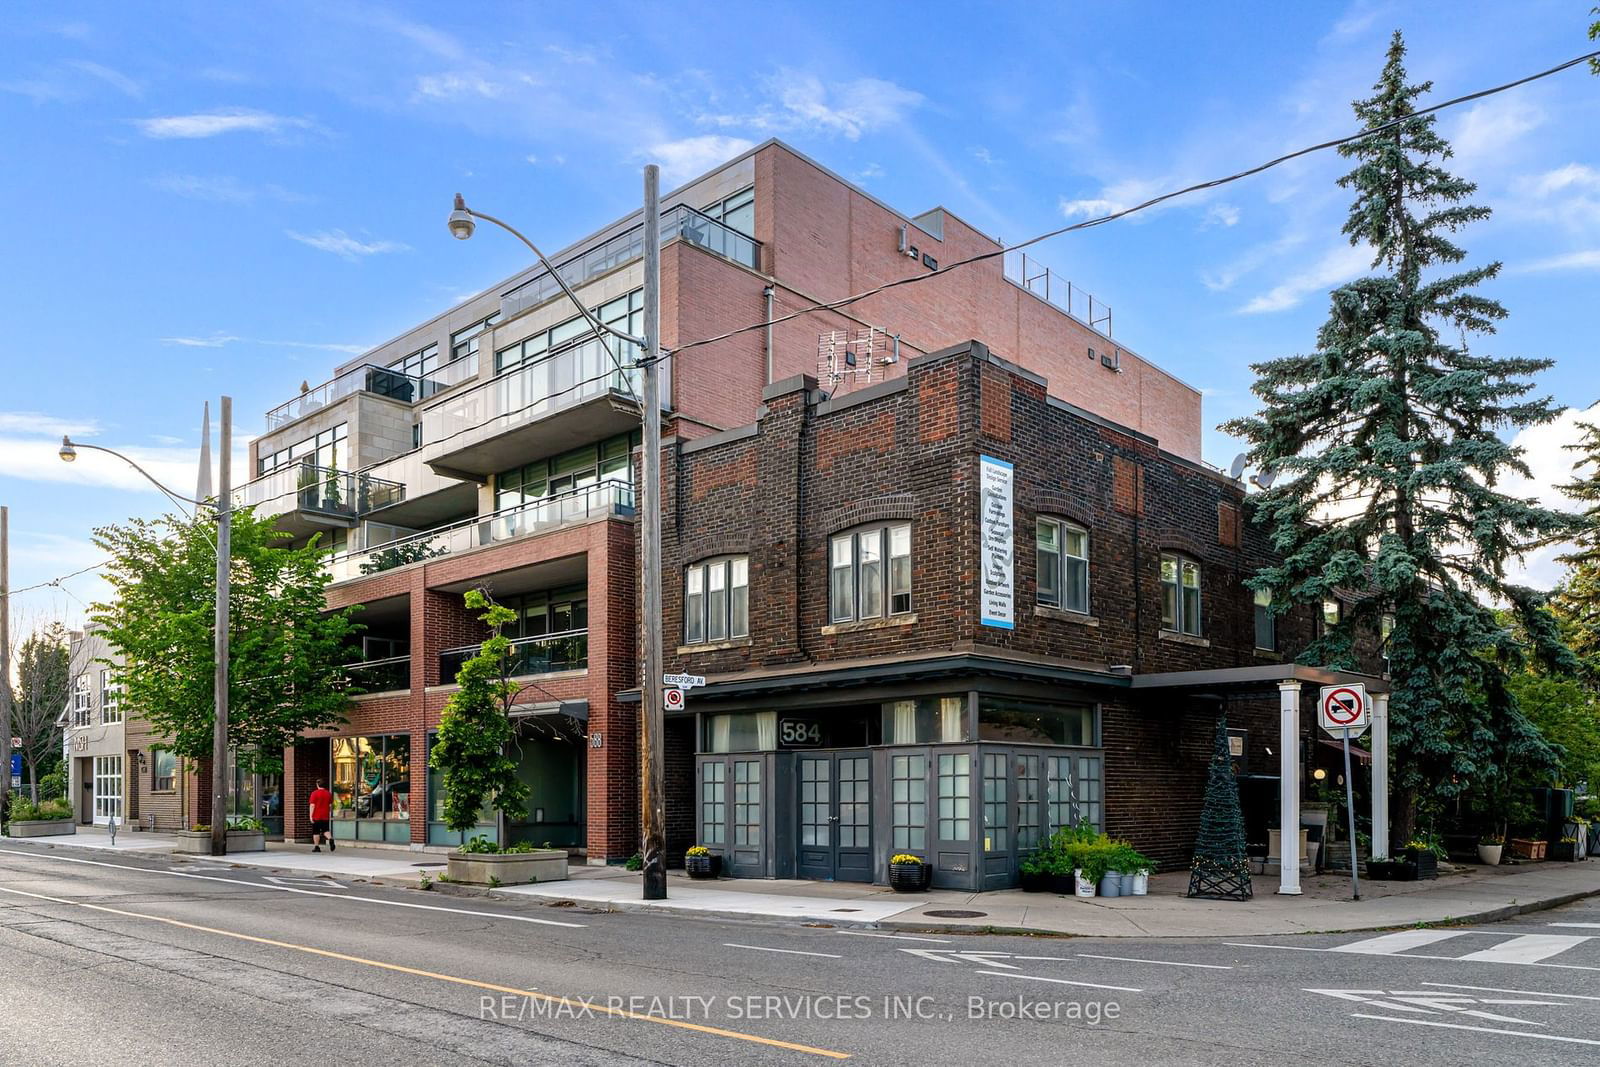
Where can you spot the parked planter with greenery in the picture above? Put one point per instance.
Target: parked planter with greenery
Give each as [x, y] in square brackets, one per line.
[1490, 850]
[1423, 857]
[908, 873]
[243, 838]
[482, 862]
[48, 819]
[1565, 850]
[701, 862]
[1385, 869]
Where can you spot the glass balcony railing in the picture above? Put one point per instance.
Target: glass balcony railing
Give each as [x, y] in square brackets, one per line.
[380, 675]
[577, 505]
[380, 381]
[567, 651]
[307, 487]
[565, 379]
[681, 221]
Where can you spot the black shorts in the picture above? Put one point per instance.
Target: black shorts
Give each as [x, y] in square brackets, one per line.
[319, 826]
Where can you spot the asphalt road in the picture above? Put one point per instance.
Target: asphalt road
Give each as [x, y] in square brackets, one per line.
[107, 958]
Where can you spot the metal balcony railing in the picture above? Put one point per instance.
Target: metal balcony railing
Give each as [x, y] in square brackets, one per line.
[308, 487]
[380, 675]
[681, 221]
[576, 505]
[568, 651]
[1056, 290]
[379, 381]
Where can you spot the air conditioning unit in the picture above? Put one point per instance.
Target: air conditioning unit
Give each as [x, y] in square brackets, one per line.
[1112, 359]
[906, 248]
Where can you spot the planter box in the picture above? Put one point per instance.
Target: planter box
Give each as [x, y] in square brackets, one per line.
[41, 827]
[1566, 851]
[702, 866]
[510, 868]
[198, 842]
[1426, 864]
[1034, 883]
[1527, 848]
[1391, 871]
[909, 877]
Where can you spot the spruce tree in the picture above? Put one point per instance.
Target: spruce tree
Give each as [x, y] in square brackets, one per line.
[1386, 445]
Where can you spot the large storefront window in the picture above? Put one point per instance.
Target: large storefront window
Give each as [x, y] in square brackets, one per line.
[438, 832]
[1072, 787]
[925, 720]
[1024, 722]
[750, 731]
[372, 788]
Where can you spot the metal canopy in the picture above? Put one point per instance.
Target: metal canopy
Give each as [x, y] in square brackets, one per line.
[573, 709]
[1264, 677]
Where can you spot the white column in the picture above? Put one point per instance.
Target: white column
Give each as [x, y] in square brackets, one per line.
[1380, 776]
[1289, 788]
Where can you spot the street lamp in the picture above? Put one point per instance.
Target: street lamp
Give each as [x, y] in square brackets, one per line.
[222, 508]
[650, 696]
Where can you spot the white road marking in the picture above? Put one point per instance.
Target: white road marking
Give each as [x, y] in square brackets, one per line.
[1478, 1029]
[302, 892]
[321, 883]
[1528, 948]
[1413, 956]
[1063, 981]
[1392, 944]
[1132, 959]
[1495, 989]
[785, 951]
[1580, 926]
[897, 937]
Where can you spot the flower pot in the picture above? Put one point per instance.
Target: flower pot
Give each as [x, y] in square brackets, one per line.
[1111, 884]
[1423, 862]
[1063, 884]
[1490, 854]
[908, 877]
[708, 866]
[1141, 884]
[1033, 882]
[1566, 851]
[1082, 886]
[1125, 883]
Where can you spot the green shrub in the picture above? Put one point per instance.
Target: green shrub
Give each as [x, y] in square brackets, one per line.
[635, 862]
[480, 845]
[25, 810]
[54, 784]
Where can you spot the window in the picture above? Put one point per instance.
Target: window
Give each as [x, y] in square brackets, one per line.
[418, 364]
[163, 770]
[746, 803]
[1180, 595]
[716, 600]
[1072, 790]
[326, 449]
[737, 212]
[1024, 722]
[744, 731]
[1332, 612]
[625, 313]
[996, 823]
[464, 343]
[110, 705]
[1063, 565]
[955, 796]
[82, 701]
[107, 789]
[926, 720]
[713, 802]
[861, 565]
[605, 461]
[1027, 774]
[909, 801]
[1266, 622]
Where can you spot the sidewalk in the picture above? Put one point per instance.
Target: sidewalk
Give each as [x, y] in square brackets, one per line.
[1471, 893]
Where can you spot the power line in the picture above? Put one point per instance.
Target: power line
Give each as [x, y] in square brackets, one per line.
[57, 581]
[835, 305]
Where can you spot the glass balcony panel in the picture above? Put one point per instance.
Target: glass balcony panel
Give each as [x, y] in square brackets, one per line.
[307, 487]
[567, 651]
[380, 675]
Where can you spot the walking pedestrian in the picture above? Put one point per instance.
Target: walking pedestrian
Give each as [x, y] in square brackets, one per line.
[321, 811]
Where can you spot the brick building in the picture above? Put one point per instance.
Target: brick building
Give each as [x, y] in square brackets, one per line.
[494, 446]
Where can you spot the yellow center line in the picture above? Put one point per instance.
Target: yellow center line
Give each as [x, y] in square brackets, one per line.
[474, 983]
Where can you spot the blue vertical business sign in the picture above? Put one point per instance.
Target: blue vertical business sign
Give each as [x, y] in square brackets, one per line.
[997, 552]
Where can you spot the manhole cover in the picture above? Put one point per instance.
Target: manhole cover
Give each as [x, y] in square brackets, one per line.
[428, 865]
[955, 914]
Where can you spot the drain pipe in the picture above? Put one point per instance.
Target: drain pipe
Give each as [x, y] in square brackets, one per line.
[767, 294]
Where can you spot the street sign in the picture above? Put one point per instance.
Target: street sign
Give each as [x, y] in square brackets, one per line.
[672, 700]
[1343, 708]
[683, 681]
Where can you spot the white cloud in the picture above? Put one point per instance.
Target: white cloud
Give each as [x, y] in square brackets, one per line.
[1588, 259]
[849, 108]
[223, 340]
[1336, 267]
[1221, 215]
[221, 189]
[984, 156]
[1488, 129]
[1119, 196]
[34, 422]
[690, 157]
[1550, 461]
[453, 86]
[871, 170]
[35, 459]
[342, 244]
[1571, 176]
[1089, 207]
[215, 123]
[116, 79]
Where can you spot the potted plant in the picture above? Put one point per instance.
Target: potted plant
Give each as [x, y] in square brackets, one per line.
[1422, 856]
[243, 835]
[1033, 874]
[1566, 849]
[908, 873]
[1490, 847]
[701, 862]
[46, 819]
[482, 862]
[1383, 869]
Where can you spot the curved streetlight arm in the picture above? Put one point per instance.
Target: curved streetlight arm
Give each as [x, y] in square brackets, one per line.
[600, 328]
[68, 444]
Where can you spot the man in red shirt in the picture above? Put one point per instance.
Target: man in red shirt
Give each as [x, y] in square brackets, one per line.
[321, 811]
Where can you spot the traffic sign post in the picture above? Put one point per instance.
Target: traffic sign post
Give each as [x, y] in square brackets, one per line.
[672, 699]
[1342, 711]
[683, 681]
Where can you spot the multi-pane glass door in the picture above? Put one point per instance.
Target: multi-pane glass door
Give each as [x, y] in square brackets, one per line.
[107, 789]
[834, 813]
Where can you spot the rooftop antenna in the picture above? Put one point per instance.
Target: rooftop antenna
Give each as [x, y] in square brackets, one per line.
[1237, 467]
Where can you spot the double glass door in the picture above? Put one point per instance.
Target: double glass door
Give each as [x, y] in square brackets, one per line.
[834, 810]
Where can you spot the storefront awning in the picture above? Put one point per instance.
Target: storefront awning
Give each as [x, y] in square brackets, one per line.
[1262, 678]
[1356, 751]
[573, 709]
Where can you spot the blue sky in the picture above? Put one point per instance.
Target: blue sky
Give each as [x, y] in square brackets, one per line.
[232, 198]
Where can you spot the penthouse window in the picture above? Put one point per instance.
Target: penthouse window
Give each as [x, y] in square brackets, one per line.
[1180, 594]
[326, 449]
[1063, 565]
[716, 600]
[418, 364]
[870, 573]
[464, 343]
[625, 313]
[737, 212]
[604, 461]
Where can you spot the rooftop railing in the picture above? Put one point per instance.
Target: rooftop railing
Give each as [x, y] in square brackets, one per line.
[380, 381]
[1057, 291]
[576, 505]
[681, 221]
[308, 487]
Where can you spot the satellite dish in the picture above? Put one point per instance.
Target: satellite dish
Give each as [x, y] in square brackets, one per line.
[1237, 467]
[1265, 479]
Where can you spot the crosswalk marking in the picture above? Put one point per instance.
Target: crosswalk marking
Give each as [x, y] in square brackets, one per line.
[1390, 944]
[1528, 948]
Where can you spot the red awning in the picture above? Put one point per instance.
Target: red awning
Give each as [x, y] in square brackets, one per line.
[1356, 751]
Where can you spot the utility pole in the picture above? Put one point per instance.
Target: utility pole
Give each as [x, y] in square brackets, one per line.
[219, 738]
[653, 821]
[5, 655]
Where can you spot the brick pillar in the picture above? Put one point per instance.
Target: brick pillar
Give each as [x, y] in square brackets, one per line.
[775, 560]
[613, 769]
